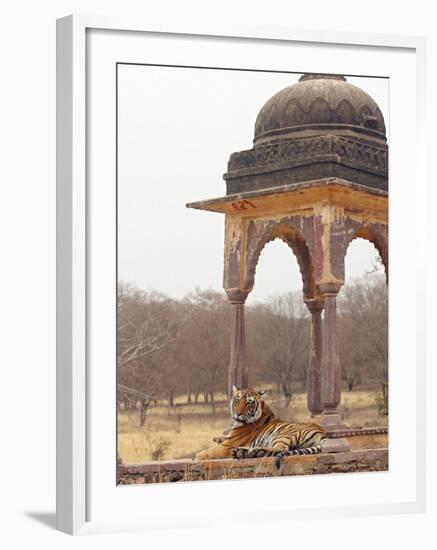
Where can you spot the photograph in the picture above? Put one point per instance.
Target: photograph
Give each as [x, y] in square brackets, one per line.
[252, 273]
[218, 259]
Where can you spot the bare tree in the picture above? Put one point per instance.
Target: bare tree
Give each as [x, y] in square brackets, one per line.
[363, 330]
[281, 338]
[207, 334]
[145, 327]
[141, 328]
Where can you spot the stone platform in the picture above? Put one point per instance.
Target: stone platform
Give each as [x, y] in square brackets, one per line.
[368, 452]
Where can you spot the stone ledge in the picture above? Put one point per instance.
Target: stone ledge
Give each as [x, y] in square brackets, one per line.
[337, 445]
[333, 184]
[184, 470]
[362, 430]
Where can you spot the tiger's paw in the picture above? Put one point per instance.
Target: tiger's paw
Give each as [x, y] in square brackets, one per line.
[258, 452]
[247, 452]
[240, 452]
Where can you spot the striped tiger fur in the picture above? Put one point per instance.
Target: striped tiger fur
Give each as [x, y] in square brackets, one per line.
[256, 432]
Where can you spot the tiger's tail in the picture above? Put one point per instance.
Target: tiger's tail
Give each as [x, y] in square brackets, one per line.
[316, 449]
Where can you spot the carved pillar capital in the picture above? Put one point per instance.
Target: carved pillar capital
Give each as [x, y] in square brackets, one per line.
[330, 288]
[237, 295]
[314, 305]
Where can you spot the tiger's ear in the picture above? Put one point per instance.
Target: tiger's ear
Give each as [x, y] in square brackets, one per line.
[262, 392]
[234, 390]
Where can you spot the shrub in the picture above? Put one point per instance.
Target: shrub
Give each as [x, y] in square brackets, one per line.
[381, 400]
[160, 449]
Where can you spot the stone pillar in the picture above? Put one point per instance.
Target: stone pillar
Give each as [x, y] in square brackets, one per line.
[314, 397]
[330, 364]
[238, 374]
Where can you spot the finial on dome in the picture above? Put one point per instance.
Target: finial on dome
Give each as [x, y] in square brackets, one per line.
[313, 76]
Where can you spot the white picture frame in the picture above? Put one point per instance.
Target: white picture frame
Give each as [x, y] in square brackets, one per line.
[75, 396]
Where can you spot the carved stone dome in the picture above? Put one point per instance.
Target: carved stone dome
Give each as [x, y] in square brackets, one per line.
[316, 105]
[320, 129]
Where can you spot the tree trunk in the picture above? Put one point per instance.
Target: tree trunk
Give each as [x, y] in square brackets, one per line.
[286, 390]
[206, 396]
[213, 407]
[189, 393]
[196, 396]
[171, 398]
[144, 405]
[179, 416]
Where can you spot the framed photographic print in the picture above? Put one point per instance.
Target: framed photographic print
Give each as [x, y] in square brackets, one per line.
[233, 211]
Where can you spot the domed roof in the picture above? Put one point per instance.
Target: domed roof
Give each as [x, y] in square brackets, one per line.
[319, 129]
[317, 104]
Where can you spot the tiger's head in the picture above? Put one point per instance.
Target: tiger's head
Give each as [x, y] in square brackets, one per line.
[246, 405]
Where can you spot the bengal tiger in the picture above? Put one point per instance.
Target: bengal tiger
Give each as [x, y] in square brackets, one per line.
[256, 432]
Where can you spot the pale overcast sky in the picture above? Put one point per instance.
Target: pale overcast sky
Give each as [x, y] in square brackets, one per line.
[177, 128]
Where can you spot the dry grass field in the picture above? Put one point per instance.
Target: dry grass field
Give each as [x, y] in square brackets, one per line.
[183, 430]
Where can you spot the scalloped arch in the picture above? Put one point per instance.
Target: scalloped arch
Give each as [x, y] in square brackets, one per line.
[294, 239]
[378, 240]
